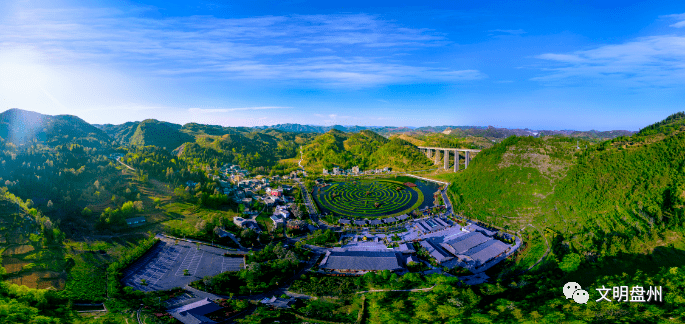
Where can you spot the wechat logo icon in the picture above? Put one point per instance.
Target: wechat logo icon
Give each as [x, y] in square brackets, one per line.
[573, 290]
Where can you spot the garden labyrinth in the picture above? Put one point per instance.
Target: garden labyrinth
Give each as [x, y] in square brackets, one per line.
[367, 198]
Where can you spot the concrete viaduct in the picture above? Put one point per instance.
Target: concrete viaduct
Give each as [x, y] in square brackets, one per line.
[434, 152]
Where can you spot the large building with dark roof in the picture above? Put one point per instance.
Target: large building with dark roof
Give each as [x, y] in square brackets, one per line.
[464, 243]
[360, 261]
[194, 313]
[475, 248]
[487, 251]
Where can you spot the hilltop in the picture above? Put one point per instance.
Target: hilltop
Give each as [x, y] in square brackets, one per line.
[164, 135]
[489, 132]
[22, 127]
[365, 149]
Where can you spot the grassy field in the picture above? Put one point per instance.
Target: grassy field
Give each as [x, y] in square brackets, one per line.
[87, 261]
[183, 218]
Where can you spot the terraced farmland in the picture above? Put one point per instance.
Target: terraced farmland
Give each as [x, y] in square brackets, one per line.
[367, 198]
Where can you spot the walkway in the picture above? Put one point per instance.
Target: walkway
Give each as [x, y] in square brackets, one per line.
[124, 164]
[399, 290]
[426, 179]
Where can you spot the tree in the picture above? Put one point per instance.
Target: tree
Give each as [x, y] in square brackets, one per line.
[570, 263]
[97, 184]
[49, 204]
[86, 212]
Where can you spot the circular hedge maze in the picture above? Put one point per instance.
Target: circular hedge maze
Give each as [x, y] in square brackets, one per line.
[367, 198]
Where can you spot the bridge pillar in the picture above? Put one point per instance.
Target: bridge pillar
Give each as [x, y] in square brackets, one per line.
[447, 160]
[467, 158]
[437, 157]
[456, 161]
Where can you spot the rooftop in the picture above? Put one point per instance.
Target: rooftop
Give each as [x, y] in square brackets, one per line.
[463, 243]
[361, 261]
[487, 251]
[193, 313]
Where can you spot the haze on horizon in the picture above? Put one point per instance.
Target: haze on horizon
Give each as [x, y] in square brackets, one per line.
[604, 65]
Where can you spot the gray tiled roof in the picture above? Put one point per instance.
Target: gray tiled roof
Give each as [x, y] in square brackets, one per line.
[389, 220]
[360, 222]
[344, 221]
[423, 227]
[404, 247]
[194, 313]
[432, 225]
[435, 251]
[441, 222]
[375, 222]
[465, 242]
[487, 251]
[362, 260]
[402, 217]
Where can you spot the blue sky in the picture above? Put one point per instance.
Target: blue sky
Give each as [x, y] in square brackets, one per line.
[538, 64]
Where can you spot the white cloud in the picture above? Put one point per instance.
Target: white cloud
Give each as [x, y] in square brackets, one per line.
[680, 17]
[648, 61]
[284, 48]
[224, 110]
[509, 31]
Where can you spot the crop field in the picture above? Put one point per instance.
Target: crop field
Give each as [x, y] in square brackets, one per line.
[367, 198]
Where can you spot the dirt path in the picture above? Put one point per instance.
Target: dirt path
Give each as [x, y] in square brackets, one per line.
[546, 243]
[124, 164]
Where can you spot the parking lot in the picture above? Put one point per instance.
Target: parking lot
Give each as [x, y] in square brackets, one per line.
[163, 267]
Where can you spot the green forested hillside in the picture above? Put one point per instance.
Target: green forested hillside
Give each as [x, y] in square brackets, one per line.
[153, 132]
[121, 133]
[613, 195]
[21, 127]
[365, 149]
[610, 214]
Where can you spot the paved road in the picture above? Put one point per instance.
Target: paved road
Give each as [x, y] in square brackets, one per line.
[138, 315]
[310, 207]
[301, 156]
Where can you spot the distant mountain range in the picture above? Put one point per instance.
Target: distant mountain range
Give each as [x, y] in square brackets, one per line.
[21, 127]
[486, 131]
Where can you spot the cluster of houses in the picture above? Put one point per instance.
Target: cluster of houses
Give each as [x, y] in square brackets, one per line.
[373, 222]
[355, 171]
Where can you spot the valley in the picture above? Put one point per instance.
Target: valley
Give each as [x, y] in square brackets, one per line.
[495, 244]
